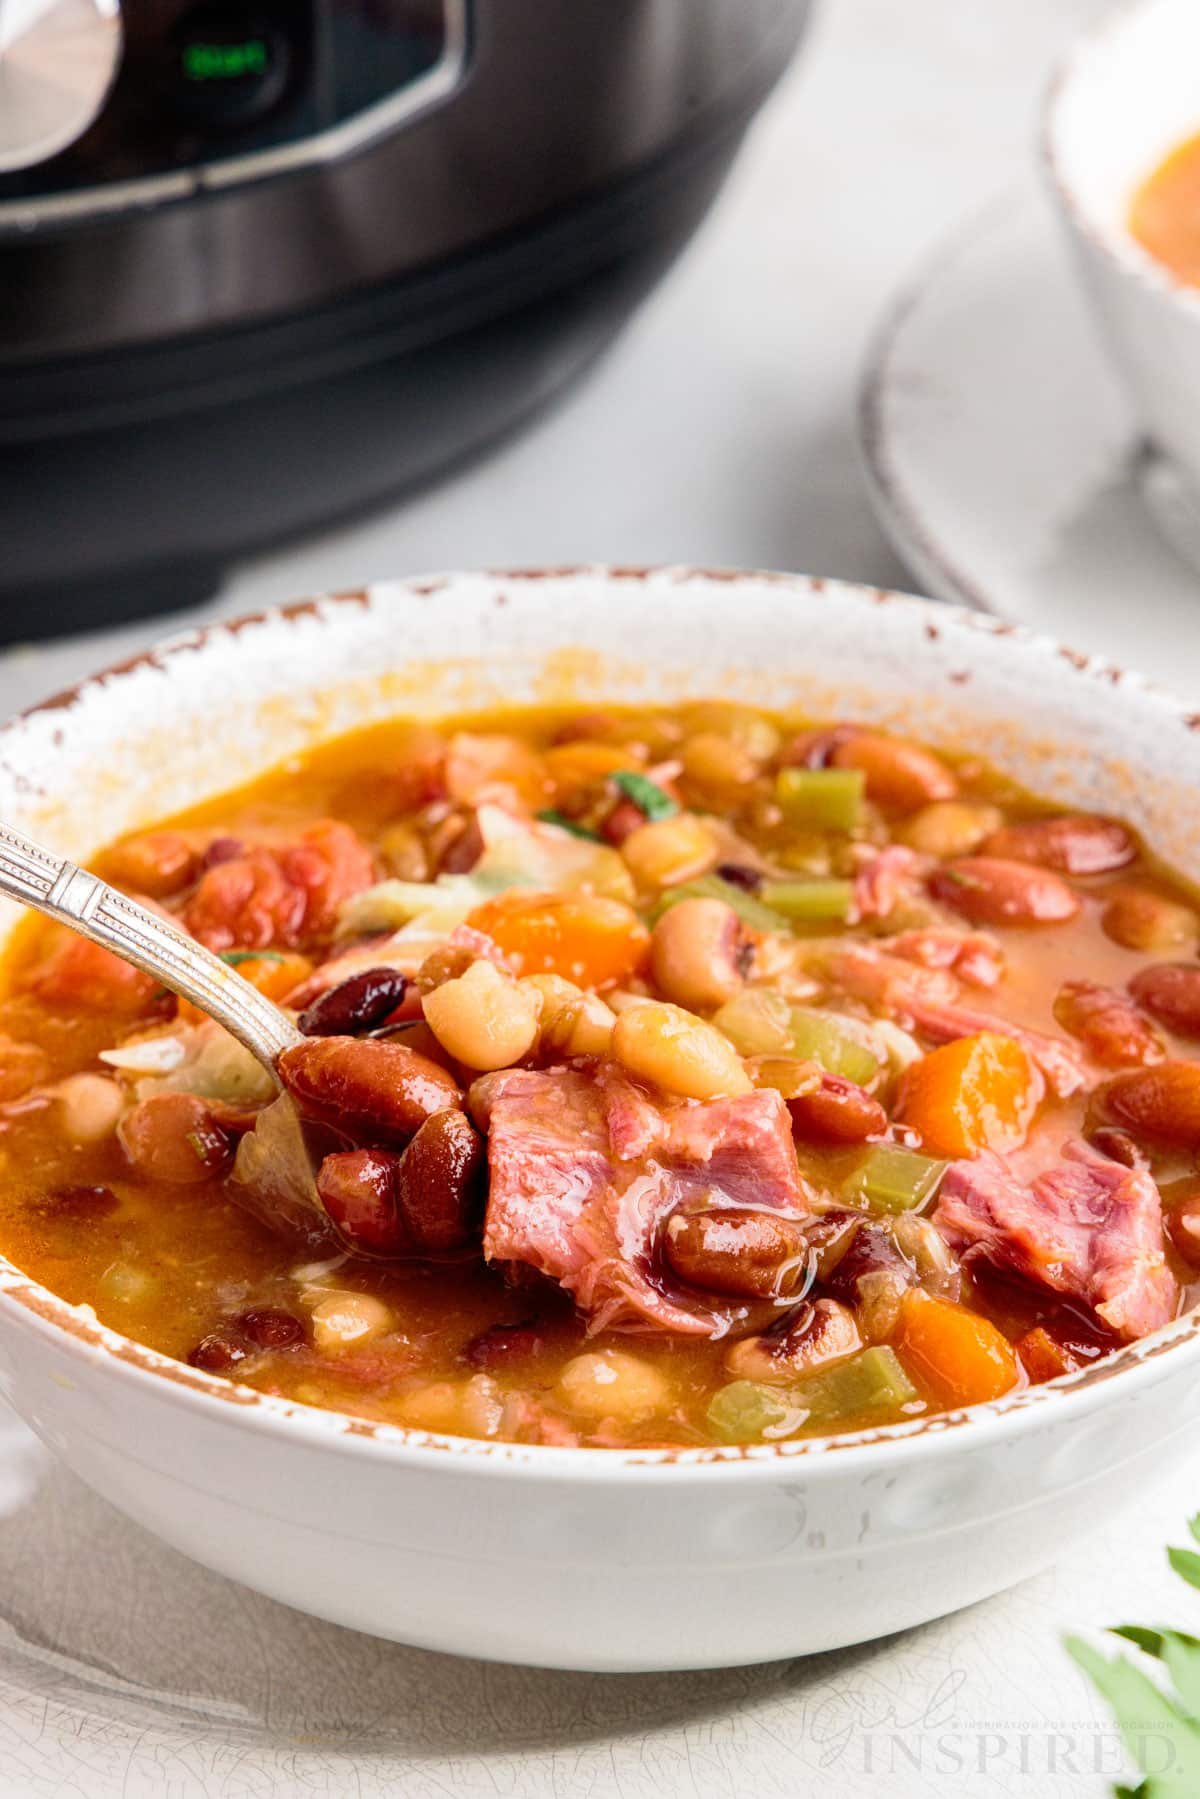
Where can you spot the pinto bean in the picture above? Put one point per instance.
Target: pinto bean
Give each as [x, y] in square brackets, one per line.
[425, 1202]
[1075, 844]
[900, 775]
[368, 1088]
[270, 1327]
[359, 1003]
[1107, 1023]
[1117, 1145]
[1162, 1102]
[694, 954]
[838, 1111]
[819, 1333]
[439, 1186]
[747, 1254]
[992, 891]
[1138, 918]
[1170, 991]
[174, 1137]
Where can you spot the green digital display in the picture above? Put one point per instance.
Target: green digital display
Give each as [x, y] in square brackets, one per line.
[225, 62]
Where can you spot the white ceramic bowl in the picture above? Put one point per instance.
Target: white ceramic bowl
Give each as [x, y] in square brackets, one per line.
[1128, 94]
[593, 1559]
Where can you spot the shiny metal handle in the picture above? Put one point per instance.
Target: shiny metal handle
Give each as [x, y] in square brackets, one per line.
[151, 942]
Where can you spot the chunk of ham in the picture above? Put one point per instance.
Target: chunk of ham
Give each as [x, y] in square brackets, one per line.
[887, 878]
[585, 1168]
[974, 956]
[1086, 1227]
[924, 999]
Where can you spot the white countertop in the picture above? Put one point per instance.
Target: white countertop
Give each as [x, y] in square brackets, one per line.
[719, 430]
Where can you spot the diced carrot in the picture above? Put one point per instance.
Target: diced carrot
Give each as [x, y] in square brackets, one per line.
[978, 1093]
[274, 975]
[592, 941]
[79, 973]
[958, 1355]
[574, 767]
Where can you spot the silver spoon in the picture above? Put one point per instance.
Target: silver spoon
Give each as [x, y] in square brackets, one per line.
[275, 1165]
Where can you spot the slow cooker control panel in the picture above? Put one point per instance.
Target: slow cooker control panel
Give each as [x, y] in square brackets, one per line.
[100, 99]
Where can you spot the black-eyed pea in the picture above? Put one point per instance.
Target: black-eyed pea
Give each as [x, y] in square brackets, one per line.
[677, 1051]
[572, 1022]
[947, 828]
[345, 1320]
[695, 954]
[89, 1107]
[610, 1383]
[484, 1018]
[670, 850]
[819, 1333]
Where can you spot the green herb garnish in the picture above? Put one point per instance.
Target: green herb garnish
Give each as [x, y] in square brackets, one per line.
[1154, 1717]
[551, 817]
[235, 957]
[651, 800]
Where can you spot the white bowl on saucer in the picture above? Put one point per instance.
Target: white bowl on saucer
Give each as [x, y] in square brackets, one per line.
[1127, 95]
[580, 1558]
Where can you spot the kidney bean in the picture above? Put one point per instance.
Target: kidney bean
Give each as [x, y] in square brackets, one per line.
[1110, 1027]
[747, 1254]
[739, 874]
[872, 1250]
[439, 1187]
[818, 1333]
[814, 749]
[1117, 1145]
[222, 849]
[1138, 918]
[1161, 1102]
[269, 1327]
[899, 774]
[1074, 844]
[357, 1188]
[359, 1003]
[838, 1111]
[463, 848]
[989, 890]
[624, 819]
[829, 1236]
[218, 1353]
[374, 1090]
[1171, 992]
[174, 1137]
[502, 1344]
[75, 1202]
[426, 1202]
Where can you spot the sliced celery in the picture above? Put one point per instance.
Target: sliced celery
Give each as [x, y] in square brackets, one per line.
[746, 1412]
[750, 910]
[821, 799]
[811, 902]
[819, 1037]
[863, 1386]
[757, 1021]
[893, 1179]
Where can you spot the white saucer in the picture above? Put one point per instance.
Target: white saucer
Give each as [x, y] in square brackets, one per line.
[1005, 460]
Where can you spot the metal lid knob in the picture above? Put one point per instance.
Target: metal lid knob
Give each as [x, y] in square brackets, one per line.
[58, 59]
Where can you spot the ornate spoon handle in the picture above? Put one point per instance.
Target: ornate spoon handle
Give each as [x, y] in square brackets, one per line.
[85, 904]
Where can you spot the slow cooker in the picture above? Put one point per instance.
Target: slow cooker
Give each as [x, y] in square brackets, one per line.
[263, 265]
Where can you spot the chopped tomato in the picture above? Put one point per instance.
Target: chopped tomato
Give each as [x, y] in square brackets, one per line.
[978, 1093]
[79, 973]
[592, 941]
[960, 1356]
[284, 895]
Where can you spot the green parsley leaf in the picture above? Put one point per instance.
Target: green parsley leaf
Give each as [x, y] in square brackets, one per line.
[235, 957]
[651, 800]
